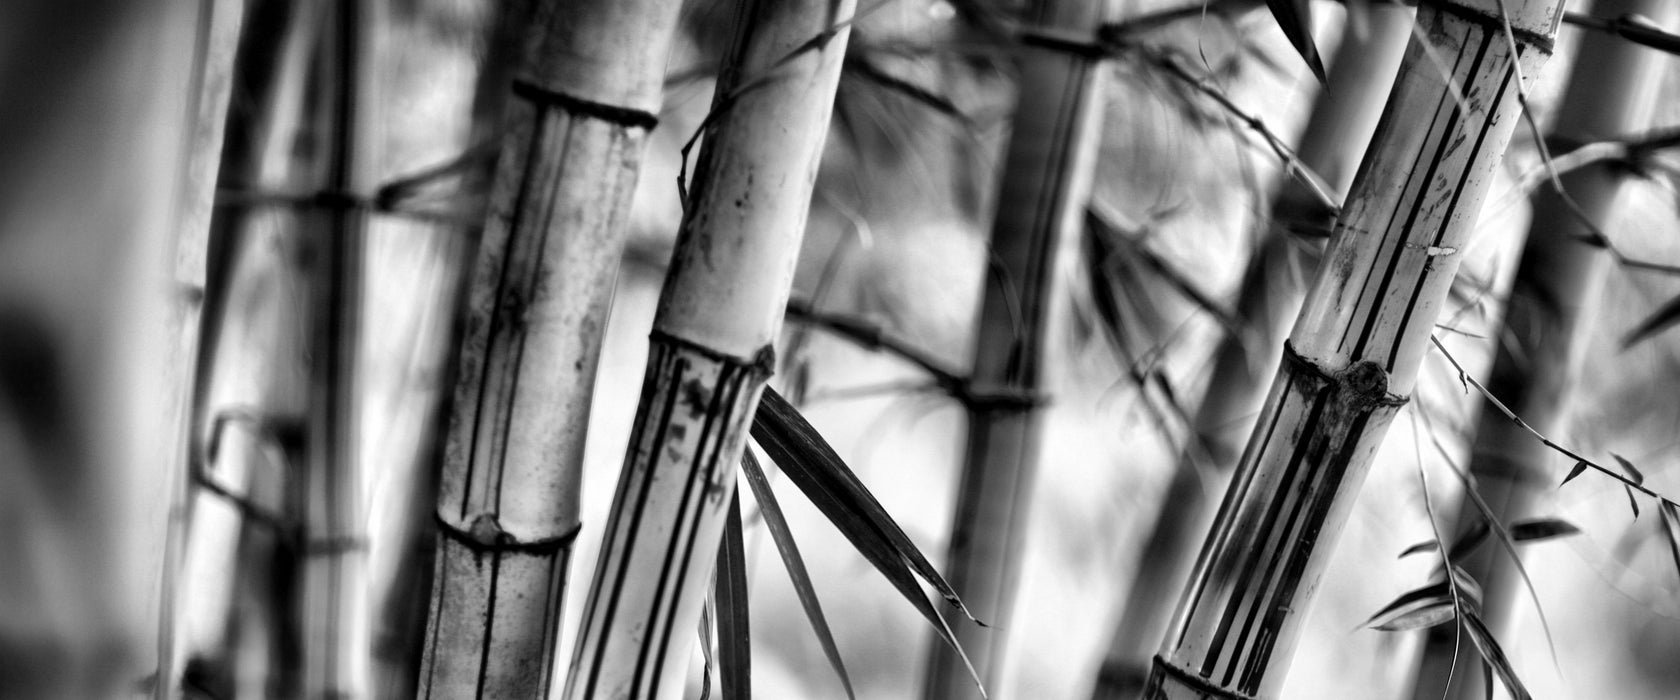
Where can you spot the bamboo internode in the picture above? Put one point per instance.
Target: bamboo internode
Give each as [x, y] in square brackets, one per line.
[582, 106]
[719, 313]
[1357, 346]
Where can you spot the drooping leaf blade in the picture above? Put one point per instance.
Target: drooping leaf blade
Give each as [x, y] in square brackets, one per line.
[813, 466]
[734, 634]
[782, 535]
[1580, 468]
[1418, 608]
[1671, 530]
[1294, 17]
[1637, 476]
[1660, 320]
[1494, 655]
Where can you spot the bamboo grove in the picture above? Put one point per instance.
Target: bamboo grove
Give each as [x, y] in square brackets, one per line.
[474, 348]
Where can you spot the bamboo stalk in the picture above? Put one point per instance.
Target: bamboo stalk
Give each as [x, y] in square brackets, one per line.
[1046, 184]
[1268, 298]
[583, 105]
[333, 591]
[1611, 93]
[230, 633]
[719, 313]
[1353, 357]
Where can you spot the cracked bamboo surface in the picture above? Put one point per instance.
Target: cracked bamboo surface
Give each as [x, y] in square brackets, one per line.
[1354, 355]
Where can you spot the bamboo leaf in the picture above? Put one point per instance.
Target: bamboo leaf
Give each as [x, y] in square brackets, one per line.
[1660, 320]
[1419, 608]
[1295, 18]
[1637, 477]
[1671, 529]
[734, 634]
[794, 563]
[1541, 529]
[813, 466]
[1469, 592]
[1426, 546]
[1494, 655]
[1580, 468]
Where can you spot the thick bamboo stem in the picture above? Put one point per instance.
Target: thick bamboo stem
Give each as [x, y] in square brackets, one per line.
[718, 316]
[1354, 355]
[1612, 92]
[582, 106]
[1046, 184]
[1268, 298]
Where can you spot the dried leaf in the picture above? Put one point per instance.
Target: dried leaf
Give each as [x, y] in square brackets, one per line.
[813, 466]
[729, 591]
[1495, 657]
[1660, 320]
[1419, 608]
[1541, 529]
[776, 522]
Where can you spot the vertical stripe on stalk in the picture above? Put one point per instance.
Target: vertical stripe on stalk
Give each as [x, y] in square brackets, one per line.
[702, 403]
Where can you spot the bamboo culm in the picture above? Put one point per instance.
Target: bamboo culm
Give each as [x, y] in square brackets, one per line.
[1548, 324]
[1355, 352]
[1268, 299]
[1046, 184]
[582, 105]
[718, 315]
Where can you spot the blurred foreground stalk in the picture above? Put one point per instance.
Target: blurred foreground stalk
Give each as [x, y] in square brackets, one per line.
[1548, 325]
[582, 104]
[1353, 358]
[719, 312]
[1334, 142]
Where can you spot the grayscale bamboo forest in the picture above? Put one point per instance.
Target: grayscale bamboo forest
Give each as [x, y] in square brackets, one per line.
[868, 349]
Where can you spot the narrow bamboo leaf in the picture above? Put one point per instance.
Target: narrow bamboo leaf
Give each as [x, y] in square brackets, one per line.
[1541, 529]
[1671, 530]
[1469, 592]
[1494, 655]
[1419, 608]
[1660, 320]
[1295, 18]
[1470, 540]
[734, 634]
[813, 466]
[794, 563]
[708, 650]
[1580, 468]
[1425, 546]
[1638, 478]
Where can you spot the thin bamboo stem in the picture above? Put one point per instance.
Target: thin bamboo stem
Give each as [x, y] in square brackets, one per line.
[1269, 297]
[1548, 321]
[719, 313]
[583, 103]
[1354, 355]
[1046, 184]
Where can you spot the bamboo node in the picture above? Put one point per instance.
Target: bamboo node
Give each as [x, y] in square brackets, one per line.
[486, 534]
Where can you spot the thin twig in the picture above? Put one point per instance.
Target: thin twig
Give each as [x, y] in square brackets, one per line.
[874, 337]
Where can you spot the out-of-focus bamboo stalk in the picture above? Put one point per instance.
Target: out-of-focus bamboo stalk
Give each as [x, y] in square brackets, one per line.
[1047, 176]
[228, 633]
[1612, 93]
[719, 313]
[582, 106]
[332, 597]
[1353, 357]
[87, 185]
[1332, 145]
